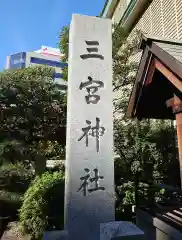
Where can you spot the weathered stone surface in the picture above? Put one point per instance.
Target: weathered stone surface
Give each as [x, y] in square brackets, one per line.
[12, 233]
[120, 230]
[90, 65]
[55, 235]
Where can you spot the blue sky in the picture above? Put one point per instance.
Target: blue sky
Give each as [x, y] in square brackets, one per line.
[26, 25]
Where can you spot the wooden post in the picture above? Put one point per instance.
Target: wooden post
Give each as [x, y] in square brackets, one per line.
[179, 135]
[176, 105]
[176, 108]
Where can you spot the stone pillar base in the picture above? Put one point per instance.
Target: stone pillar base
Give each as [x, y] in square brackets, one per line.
[55, 235]
[120, 230]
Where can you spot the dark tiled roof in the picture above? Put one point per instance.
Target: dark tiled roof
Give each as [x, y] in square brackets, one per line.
[174, 50]
[169, 215]
[169, 53]
[171, 46]
[172, 217]
[167, 220]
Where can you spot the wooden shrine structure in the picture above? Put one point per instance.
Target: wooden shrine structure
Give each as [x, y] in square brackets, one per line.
[157, 91]
[157, 94]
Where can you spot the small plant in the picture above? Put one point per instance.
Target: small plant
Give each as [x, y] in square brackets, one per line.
[10, 196]
[159, 195]
[15, 177]
[35, 213]
[19, 170]
[129, 190]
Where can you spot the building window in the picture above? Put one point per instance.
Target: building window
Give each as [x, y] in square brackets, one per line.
[17, 60]
[58, 75]
[47, 62]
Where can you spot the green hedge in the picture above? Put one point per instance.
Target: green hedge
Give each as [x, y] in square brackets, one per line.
[43, 205]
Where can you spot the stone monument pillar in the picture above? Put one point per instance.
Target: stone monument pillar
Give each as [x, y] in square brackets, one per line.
[89, 189]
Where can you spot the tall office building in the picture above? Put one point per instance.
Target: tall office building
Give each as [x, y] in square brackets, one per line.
[44, 56]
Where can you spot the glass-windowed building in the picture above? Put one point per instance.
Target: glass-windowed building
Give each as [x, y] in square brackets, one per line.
[44, 56]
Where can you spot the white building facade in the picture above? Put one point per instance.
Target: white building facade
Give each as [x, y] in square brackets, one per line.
[45, 56]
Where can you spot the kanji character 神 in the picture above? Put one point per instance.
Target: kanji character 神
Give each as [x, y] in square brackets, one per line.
[95, 131]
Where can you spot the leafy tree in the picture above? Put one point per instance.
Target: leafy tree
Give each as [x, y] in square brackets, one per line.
[63, 45]
[32, 114]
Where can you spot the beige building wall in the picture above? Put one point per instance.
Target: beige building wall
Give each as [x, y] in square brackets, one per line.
[163, 18]
[119, 11]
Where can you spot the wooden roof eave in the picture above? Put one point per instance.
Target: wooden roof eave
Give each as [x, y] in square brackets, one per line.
[168, 60]
[150, 49]
[136, 87]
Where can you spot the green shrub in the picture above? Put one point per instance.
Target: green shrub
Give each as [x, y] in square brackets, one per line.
[43, 205]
